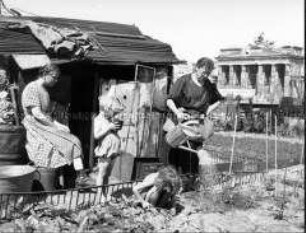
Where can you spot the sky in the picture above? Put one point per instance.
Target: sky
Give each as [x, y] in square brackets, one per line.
[194, 28]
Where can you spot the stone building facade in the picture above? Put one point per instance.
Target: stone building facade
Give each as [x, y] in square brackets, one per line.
[264, 74]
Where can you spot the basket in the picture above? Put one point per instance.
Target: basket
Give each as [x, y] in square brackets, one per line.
[16, 178]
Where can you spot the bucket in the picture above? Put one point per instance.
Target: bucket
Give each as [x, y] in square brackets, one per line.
[44, 179]
[16, 178]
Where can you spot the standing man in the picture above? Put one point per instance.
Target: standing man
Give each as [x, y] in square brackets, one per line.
[194, 96]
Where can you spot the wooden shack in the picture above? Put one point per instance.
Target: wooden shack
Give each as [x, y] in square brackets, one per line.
[136, 67]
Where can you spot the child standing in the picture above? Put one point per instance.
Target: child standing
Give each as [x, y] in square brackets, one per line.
[106, 127]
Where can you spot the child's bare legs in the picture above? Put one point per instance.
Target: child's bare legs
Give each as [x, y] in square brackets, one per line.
[102, 171]
[108, 171]
[102, 178]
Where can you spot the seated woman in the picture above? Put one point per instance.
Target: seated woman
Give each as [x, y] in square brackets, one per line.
[159, 189]
[49, 143]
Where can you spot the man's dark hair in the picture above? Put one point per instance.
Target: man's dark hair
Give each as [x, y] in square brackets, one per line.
[207, 62]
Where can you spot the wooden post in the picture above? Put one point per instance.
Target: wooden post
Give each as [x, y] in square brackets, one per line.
[233, 146]
[91, 142]
[275, 145]
[302, 152]
[151, 107]
[267, 142]
[93, 115]
[137, 100]
[271, 120]
[284, 179]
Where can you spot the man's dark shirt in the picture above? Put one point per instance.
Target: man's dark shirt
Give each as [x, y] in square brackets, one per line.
[187, 94]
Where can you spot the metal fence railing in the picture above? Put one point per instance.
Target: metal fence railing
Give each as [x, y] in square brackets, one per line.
[13, 205]
[243, 171]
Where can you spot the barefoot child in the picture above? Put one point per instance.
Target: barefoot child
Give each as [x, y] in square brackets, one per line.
[106, 127]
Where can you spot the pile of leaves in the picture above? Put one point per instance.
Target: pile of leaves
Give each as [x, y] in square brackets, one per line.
[234, 207]
[124, 216]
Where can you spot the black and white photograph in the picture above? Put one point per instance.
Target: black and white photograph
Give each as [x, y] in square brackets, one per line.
[152, 116]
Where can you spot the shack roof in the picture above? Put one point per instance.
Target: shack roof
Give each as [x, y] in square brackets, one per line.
[118, 43]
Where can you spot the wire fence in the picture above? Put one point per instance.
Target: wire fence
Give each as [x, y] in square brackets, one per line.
[16, 205]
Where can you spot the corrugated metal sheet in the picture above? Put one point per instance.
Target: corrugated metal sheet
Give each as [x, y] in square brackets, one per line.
[133, 50]
[118, 43]
[87, 25]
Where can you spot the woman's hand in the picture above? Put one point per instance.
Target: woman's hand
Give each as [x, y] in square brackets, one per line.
[182, 116]
[179, 112]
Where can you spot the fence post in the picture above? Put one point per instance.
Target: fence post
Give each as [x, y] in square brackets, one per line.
[233, 146]
[302, 153]
[267, 141]
[276, 165]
